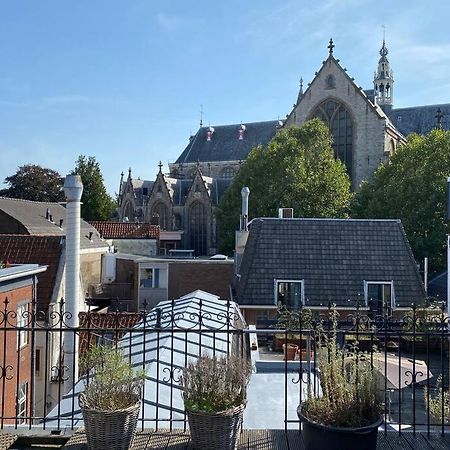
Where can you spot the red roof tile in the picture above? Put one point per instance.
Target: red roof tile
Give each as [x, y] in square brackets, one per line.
[123, 230]
[43, 250]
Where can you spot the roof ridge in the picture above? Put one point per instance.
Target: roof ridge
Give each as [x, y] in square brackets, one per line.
[327, 219]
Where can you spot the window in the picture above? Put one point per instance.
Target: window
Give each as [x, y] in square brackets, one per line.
[329, 82]
[379, 296]
[289, 293]
[149, 278]
[37, 361]
[22, 391]
[340, 123]
[228, 172]
[160, 216]
[22, 335]
[198, 228]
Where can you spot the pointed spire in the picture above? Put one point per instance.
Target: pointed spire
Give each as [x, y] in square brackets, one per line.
[129, 172]
[201, 116]
[331, 47]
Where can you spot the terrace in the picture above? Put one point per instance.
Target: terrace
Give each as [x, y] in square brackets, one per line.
[411, 354]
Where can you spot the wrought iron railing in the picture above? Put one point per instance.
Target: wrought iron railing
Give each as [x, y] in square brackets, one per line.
[409, 349]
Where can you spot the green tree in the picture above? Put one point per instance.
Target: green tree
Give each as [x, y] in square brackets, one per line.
[296, 169]
[413, 188]
[33, 182]
[97, 203]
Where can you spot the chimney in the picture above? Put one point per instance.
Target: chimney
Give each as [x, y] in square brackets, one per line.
[245, 192]
[61, 221]
[47, 214]
[285, 213]
[242, 234]
[73, 188]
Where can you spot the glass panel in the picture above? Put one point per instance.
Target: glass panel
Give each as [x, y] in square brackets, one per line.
[160, 216]
[290, 294]
[379, 296]
[198, 228]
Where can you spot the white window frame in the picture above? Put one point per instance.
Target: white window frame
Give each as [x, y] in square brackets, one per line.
[21, 321]
[153, 269]
[22, 400]
[366, 291]
[284, 280]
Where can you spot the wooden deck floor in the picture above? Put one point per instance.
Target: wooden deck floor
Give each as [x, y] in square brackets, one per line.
[268, 440]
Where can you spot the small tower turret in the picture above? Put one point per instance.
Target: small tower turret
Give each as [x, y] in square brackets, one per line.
[383, 82]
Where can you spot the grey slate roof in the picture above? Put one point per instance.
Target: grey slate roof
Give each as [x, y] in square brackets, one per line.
[419, 119]
[32, 215]
[332, 256]
[225, 144]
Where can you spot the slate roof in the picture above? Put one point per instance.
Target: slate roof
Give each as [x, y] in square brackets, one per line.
[419, 119]
[225, 144]
[332, 256]
[32, 215]
[126, 230]
[42, 250]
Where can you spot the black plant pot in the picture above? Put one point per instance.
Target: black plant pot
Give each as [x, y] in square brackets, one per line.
[318, 437]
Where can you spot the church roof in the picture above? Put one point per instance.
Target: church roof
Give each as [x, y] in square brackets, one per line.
[419, 119]
[225, 144]
[332, 256]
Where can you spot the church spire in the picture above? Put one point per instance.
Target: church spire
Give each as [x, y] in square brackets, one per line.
[383, 82]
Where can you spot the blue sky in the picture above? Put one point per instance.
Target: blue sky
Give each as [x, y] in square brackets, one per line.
[124, 80]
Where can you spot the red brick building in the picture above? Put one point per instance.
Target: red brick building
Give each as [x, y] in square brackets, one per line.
[20, 364]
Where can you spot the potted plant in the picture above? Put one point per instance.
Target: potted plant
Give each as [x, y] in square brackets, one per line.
[348, 413]
[293, 322]
[111, 399]
[215, 396]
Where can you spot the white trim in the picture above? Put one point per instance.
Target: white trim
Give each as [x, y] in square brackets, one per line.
[283, 280]
[21, 321]
[390, 282]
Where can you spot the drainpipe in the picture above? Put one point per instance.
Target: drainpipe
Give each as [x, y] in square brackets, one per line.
[73, 188]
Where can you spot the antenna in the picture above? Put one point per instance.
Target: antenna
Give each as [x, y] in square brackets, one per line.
[384, 32]
[201, 116]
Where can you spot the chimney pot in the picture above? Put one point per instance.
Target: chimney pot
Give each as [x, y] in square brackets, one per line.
[61, 221]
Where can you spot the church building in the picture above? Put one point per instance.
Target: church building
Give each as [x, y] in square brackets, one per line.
[365, 126]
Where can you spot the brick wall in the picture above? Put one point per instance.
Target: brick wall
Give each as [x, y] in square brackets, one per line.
[18, 359]
[212, 277]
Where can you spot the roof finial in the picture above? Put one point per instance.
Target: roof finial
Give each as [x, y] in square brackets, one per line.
[201, 116]
[439, 116]
[160, 166]
[331, 46]
[301, 85]
[129, 172]
[384, 51]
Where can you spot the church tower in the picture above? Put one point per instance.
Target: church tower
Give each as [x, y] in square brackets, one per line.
[383, 81]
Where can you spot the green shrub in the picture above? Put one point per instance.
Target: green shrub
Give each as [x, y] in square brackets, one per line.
[211, 384]
[113, 383]
[438, 405]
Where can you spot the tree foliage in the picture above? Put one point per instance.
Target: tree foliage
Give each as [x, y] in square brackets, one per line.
[97, 203]
[413, 187]
[33, 182]
[296, 169]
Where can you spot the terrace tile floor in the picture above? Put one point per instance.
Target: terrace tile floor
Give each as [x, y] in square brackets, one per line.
[268, 440]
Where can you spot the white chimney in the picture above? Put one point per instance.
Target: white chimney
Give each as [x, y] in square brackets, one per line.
[245, 192]
[73, 188]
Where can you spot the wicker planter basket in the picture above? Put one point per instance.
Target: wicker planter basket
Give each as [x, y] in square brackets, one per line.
[110, 429]
[215, 431]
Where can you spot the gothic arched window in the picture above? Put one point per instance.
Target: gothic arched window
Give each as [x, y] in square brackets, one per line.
[128, 212]
[198, 228]
[340, 123]
[160, 216]
[228, 172]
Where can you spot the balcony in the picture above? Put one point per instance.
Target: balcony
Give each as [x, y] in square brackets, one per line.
[412, 354]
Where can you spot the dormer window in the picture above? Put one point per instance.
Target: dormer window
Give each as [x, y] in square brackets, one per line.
[241, 132]
[379, 297]
[290, 293]
[209, 133]
[330, 82]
